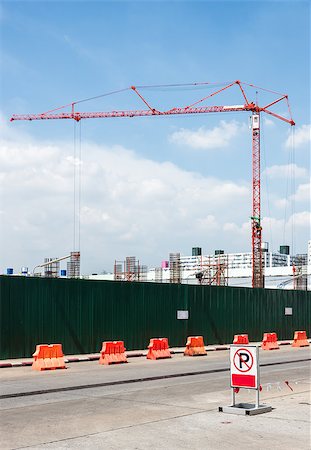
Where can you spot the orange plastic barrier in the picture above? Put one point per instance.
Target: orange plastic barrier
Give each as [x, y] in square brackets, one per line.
[112, 352]
[300, 339]
[241, 339]
[158, 348]
[195, 346]
[48, 357]
[270, 341]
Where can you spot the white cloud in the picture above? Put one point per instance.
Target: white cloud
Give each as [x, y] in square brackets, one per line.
[303, 192]
[281, 203]
[268, 122]
[129, 205]
[301, 219]
[207, 223]
[242, 230]
[302, 136]
[285, 170]
[276, 231]
[204, 138]
[302, 195]
[297, 225]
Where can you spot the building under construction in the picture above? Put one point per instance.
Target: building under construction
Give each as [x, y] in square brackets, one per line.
[282, 270]
[73, 265]
[130, 270]
[51, 268]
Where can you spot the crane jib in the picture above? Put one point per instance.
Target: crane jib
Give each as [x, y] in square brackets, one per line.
[131, 113]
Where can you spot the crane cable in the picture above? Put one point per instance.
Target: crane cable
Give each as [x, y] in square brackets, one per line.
[74, 183]
[290, 192]
[79, 182]
[267, 187]
[293, 187]
[77, 161]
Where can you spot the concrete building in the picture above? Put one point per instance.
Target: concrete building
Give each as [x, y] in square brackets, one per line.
[279, 267]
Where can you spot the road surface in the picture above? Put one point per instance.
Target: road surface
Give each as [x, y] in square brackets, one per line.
[166, 404]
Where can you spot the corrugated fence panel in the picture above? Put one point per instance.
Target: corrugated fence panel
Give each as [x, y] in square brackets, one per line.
[81, 314]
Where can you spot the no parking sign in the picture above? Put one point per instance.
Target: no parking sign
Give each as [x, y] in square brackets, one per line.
[244, 373]
[244, 366]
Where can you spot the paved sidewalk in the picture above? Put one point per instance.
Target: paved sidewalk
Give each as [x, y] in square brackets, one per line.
[287, 427]
[174, 413]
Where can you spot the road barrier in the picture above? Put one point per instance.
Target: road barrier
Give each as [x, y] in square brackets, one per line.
[48, 357]
[112, 352]
[195, 346]
[158, 349]
[241, 339]
[270, 341]
[300, 339]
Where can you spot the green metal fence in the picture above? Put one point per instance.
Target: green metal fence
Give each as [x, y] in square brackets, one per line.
[81, 314]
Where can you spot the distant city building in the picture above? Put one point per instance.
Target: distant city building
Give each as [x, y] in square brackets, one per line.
[281, 270]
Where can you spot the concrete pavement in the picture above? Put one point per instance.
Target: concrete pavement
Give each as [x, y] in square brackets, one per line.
[180, 412]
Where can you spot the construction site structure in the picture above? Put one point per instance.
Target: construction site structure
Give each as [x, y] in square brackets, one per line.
[158, 274]
[257, 260]
[130, 270]
[214, 272]
[73, 265]
[175, 268]
[300, 273]
[196, 107]
[51, 268]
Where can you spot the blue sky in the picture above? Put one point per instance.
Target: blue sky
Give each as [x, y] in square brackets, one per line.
[53, 53]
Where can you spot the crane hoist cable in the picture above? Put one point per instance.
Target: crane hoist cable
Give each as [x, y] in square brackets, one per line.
[77, 167]
[290, 194]
[267, 187]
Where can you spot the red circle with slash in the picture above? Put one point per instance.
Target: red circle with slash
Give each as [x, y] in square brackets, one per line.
[243, 360]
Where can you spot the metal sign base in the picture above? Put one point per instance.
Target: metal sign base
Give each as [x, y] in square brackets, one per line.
[245, 409]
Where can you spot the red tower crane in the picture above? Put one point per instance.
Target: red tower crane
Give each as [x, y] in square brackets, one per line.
[194, 108]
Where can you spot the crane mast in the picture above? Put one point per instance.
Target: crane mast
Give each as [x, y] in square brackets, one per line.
[248, 106]
[257, 262]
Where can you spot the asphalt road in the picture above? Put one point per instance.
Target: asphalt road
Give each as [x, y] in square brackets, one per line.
[90, 406]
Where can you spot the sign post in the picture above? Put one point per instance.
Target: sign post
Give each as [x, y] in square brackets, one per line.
[244, 374]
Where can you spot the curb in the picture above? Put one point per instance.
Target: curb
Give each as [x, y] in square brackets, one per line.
[129, 355]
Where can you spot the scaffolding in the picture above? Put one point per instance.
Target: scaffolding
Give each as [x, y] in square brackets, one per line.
[143, 273]
[158, 274]
[175, 268]
[51, 270]
[214, 272]
[130, 270]
[300, 276]
[118, 270]
[73, 266]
